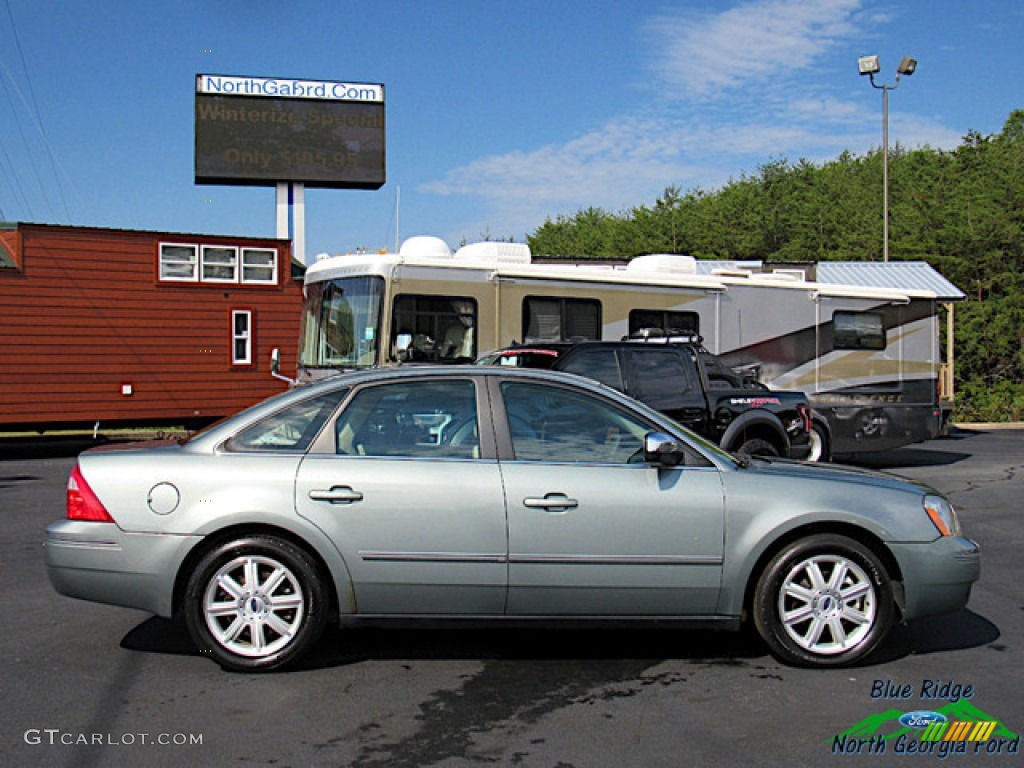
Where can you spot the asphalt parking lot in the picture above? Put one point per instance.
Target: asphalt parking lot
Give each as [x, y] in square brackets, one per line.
[92, 685]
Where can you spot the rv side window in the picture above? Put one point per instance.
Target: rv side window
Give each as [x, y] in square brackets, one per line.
[858, 330]
[671, 323]
[435, 329]
[558, 319]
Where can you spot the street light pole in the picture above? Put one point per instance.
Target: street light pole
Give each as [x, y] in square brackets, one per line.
[885, 169]
[868, 65]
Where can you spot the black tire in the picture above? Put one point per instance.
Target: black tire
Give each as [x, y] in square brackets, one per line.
[255, 603]
[757, 446]
[833, 623]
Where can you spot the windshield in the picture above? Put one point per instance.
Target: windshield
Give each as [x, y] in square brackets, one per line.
[341, 323]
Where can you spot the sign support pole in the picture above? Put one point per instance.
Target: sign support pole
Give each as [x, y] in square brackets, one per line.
[291, 216]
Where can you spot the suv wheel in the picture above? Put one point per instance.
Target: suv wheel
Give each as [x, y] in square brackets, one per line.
[820, 449]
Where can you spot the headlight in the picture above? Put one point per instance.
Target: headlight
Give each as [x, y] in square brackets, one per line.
[942, 514]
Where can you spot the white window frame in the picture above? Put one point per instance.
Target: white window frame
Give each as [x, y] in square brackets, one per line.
[194, 277]
[272, 266]
[199, 260]
[244, 336]
[204, 263]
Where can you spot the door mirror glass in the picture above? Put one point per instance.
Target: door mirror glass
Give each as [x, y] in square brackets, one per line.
[663, 450]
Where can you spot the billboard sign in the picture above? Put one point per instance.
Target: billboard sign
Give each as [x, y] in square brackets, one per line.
[261, 131]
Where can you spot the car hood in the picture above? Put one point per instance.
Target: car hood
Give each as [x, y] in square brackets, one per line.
[836, 473]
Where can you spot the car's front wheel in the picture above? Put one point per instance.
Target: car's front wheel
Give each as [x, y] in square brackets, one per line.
[823, 601]
[255, 603]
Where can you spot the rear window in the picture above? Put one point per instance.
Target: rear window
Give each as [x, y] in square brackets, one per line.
[288, 430]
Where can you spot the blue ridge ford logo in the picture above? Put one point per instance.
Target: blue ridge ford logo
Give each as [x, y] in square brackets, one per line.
[921, 719]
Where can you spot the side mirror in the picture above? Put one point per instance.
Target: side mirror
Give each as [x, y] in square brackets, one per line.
[662, 450]
[275, 366]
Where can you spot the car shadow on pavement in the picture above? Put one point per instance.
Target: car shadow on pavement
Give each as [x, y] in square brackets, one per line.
[951, 632]
[354, 645]
[157, 635]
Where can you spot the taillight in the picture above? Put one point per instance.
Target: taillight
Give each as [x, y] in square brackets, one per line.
[83, 504]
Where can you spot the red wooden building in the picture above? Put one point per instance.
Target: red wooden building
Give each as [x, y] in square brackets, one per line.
[127, 328]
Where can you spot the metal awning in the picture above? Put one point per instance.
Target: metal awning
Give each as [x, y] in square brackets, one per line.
[899, 275]
[892, 275]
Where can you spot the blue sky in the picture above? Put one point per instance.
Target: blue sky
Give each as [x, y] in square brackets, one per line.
[499, 115]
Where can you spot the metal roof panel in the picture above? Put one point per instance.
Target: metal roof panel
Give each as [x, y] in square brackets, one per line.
[900, 275]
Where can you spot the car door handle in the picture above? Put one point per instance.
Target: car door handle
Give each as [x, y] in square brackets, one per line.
[552, 502]
[338, 494]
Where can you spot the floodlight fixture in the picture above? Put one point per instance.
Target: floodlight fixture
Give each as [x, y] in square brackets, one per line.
[907, 66]
[868, 65]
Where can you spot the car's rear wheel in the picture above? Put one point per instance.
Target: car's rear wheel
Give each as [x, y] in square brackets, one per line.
[255, 603]
[823, 601]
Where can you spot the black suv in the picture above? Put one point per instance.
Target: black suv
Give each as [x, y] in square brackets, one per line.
[686, 382]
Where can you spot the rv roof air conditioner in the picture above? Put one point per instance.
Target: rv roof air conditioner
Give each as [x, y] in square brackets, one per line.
[491, 252]
[664, 262]
[425, 247]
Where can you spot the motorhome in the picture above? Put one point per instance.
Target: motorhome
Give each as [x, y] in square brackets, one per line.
[867, 356]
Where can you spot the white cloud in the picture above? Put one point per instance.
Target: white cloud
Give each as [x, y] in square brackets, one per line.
[620, 154]
[620, 165]
[736, 106]
[826, 108]
[703, 52]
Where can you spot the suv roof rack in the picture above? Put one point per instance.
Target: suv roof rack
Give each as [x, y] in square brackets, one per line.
[660, 336]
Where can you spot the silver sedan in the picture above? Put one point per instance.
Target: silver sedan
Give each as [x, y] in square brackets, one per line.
[495, 494]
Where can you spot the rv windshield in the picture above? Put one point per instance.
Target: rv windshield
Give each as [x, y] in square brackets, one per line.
[341, 323]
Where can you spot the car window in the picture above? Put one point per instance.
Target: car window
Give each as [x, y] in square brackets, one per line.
[600, 364]
[417, 419]
[556, 424]
[659, 378]
[720, 376]
[291, 429]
